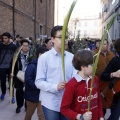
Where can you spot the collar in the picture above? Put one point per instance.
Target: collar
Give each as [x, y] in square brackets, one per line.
[79, 78]
[55, 52]
[26, 53]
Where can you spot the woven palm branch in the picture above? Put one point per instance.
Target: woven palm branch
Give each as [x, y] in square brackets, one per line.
[15, 57]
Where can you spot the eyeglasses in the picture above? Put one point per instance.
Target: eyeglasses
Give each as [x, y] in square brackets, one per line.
[60, 37]
[25, 45]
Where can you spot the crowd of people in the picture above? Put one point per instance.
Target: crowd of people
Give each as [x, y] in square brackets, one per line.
[45, 87]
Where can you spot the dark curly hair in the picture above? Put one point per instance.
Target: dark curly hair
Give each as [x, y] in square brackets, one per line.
[24, 41]
[55, 29]
[6, 34]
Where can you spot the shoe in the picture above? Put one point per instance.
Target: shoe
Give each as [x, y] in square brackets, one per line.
[2, 96]
[18, 110]
[13, 100]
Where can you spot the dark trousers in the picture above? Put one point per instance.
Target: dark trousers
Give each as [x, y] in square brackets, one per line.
[31, 107]
[19, 97]
[3, 73]
[115, 111]
[104, 111]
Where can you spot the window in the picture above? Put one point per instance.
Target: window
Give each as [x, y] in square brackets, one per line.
[41, 1]
[85, 23]
[85, 33]
[95, 23]
[95, 33]
[41, 29]
[80, 24]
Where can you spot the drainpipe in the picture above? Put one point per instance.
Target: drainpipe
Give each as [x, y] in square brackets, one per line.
[34, 19]
[46, 20]
[13, 18]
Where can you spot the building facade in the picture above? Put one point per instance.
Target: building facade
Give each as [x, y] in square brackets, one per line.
[110, 9]
[85, 27]
[28, 18]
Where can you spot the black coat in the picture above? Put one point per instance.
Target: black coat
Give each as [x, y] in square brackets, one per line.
[112, 66]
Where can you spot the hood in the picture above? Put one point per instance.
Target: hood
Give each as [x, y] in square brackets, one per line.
[34, 61]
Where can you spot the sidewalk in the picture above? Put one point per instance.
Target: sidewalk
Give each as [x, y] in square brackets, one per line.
[7, 111]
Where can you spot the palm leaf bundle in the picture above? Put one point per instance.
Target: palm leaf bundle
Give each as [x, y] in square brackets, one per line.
[66, 21]
[12, 72]
[97, 56]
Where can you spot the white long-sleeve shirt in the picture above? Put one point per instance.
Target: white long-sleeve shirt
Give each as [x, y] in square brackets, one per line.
[49, 75]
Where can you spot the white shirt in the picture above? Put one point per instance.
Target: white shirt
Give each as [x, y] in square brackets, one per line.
[49, 75]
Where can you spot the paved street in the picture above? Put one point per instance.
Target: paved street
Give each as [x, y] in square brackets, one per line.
[7, 111]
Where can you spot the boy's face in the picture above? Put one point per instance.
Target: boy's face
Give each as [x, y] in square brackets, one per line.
[57, 40]
[25, 47]
[6, 40]
[88, 70]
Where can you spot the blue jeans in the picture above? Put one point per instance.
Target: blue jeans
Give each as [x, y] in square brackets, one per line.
[52, 115]
[115, 112]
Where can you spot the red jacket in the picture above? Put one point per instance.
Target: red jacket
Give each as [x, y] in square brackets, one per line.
[75, 99]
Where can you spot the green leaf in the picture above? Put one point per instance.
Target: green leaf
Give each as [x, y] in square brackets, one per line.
[97, 56]
[64, 30]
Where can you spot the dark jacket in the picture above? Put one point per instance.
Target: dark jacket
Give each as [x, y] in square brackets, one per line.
[18, 66]
[113, 66]
[31, 91]
[6, 54]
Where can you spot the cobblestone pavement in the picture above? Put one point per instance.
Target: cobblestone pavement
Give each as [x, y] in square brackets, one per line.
[7, 111]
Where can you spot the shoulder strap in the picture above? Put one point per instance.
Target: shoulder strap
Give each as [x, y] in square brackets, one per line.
[4, 55]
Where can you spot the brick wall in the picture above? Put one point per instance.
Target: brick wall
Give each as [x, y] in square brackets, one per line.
[5, 19]
[25, 17]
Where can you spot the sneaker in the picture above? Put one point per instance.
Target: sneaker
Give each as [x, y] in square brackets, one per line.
[13, 100]
[2, 96]
[18, 110]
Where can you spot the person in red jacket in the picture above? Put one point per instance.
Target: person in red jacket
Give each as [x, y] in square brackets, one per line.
[75, 99]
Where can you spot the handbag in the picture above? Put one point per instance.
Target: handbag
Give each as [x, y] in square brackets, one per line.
[21, 75]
